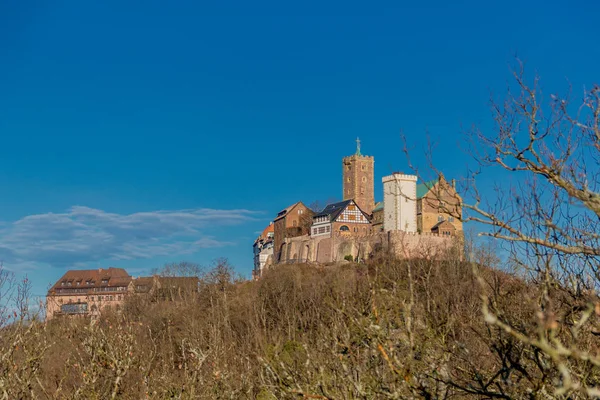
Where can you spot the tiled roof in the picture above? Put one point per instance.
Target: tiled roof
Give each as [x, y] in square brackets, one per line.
[93, 278]
[268, 229]
[424, 188]
[285, 211]
[335, 209]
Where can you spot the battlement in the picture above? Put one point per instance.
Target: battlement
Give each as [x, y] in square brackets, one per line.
[396, 176]
[358, 157]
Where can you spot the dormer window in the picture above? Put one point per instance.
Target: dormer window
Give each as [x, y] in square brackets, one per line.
[69, 283]
[104, 280]
[78, 283]
[87, 282]
[62, 283]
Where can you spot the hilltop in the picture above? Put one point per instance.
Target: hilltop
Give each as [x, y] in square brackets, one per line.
[387, 328]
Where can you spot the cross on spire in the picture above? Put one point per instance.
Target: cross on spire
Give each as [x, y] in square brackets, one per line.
[358, 147]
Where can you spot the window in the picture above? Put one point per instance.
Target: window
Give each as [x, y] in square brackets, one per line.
[111, 298]
[69, 283]
[327, 229]
[78, 282]
[92, 298]
[450, 219]
[300, 211]
[364, 178]
[87, 282]
[348, 179]
[74, 308]
[352, 217]
[362, 167]
[62, 283]
[104, 280]
[344, 228]
[355, 229]
[440, 218]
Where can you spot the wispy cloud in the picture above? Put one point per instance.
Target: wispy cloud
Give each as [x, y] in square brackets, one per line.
[84, 234]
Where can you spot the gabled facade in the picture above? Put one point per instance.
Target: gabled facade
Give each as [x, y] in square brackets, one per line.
[343, 218]
[438, 201]
[292, 221]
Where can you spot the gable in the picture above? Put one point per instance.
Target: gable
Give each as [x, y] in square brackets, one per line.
[351, 213]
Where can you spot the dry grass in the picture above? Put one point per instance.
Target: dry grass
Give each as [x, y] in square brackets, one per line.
[389, 329]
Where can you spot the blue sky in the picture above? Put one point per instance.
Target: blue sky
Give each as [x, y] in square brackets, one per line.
[139, 133]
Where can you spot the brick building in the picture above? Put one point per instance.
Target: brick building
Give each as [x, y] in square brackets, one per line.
[358, 176]
[292, 221]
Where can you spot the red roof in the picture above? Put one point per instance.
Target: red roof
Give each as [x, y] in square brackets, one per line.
[92, 278]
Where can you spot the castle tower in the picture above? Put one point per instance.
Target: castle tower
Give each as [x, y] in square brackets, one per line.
[358, 179]
[400, 203]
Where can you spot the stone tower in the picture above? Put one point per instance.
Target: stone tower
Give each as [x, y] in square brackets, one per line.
[358, 179]
[400, 203]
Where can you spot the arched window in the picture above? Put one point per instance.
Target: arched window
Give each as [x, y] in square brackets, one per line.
[344, 228]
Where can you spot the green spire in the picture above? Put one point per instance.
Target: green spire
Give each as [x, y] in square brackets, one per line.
[358, 147]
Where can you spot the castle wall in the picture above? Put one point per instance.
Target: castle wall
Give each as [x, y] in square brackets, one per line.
[304, 249]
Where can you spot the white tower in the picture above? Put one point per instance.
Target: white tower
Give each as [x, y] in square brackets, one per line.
[400, 202]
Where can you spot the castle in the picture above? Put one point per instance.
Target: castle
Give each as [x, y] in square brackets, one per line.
[413, 220]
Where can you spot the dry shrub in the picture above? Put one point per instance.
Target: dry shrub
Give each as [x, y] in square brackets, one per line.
[387, 329]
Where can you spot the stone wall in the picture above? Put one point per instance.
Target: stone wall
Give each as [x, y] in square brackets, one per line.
[304, 249]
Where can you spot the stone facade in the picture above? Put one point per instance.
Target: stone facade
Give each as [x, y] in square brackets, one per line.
[438, 201]
[358, 175]
[304, 249]
[400, 203]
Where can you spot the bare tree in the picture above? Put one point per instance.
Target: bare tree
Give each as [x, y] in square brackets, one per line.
[545, 151]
